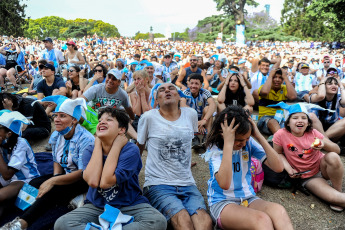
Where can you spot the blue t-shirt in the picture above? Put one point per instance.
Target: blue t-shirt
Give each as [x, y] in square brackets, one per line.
[42, 86]
[126, 191]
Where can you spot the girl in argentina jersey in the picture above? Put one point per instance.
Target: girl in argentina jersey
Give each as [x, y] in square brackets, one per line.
[231, 198]
[17, 161]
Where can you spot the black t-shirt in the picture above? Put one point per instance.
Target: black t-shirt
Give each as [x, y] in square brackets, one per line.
[42, 86]
[35, 111]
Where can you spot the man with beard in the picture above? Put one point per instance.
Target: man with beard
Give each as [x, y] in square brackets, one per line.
[193, 69]
[169, 183]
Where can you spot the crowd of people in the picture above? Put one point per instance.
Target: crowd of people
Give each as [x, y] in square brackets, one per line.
[112, 98]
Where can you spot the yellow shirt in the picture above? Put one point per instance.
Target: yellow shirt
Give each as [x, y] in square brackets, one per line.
[271, 99]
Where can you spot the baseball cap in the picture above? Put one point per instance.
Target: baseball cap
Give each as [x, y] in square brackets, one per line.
[49, 66]
[116, 73]
[304, 65]
[48, 39]
[71, 43]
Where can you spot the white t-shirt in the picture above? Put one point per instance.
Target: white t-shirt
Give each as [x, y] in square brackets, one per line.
[168, 146]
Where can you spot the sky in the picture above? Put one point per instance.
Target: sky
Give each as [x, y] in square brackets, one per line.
[132, 16]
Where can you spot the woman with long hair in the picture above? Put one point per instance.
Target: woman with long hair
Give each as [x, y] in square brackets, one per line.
[76, 83]
[235, 92]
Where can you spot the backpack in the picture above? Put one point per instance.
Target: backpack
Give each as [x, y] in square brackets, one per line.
[257, 174]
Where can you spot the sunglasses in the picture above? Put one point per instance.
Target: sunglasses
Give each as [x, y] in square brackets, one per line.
[193, 59]
[41, 66]
[71, 70]
[98, 70]
[326, 62]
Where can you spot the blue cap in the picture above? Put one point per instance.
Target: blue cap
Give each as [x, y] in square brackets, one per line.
[302, 107]
[75, 108]
[48, 39]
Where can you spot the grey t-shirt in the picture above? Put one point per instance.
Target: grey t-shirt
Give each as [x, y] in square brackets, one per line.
[168, 146]
[99, 98]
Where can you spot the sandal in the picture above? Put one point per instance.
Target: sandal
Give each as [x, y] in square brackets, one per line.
[336, 208]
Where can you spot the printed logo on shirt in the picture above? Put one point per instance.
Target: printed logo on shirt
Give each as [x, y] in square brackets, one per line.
[110, 193]
[245, 156]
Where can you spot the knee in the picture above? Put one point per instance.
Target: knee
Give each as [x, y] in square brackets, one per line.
[279, 211]
[159, 222]
[60, 224]
[333, 160]
[262, 221]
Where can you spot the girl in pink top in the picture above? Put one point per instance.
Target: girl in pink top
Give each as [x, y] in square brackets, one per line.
[295, 144]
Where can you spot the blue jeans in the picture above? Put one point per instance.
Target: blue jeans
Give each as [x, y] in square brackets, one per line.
[170, 200]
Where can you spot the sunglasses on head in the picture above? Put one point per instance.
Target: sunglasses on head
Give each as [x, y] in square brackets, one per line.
[332, 72]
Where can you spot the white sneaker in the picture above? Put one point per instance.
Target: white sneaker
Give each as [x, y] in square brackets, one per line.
[13, 225]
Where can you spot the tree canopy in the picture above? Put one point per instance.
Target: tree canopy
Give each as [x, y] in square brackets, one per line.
[57, 27]
[314, 19]
[235, 8]
[12, 17]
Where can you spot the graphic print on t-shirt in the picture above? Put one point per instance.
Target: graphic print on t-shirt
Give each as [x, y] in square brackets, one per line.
[110, 193]
[173, 148]
[105, 102]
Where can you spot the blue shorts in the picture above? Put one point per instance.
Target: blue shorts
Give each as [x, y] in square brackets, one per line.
[170, 200]
[262, 124]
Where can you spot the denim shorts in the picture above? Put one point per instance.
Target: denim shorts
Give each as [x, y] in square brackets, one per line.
[170, 200]
[262, 124]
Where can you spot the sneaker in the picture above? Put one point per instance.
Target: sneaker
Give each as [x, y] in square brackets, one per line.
[195, 142]
[48, 147]
[13, 225]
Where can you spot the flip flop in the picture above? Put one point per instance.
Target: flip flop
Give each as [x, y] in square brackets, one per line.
[336, 208]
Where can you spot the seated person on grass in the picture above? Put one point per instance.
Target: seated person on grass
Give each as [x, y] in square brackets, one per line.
[112, 174]
[202, 101]
[273, 92]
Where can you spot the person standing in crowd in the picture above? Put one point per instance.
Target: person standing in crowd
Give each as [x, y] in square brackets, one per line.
[170, 188]
[51, 54]
[170, 69]
[193, 69]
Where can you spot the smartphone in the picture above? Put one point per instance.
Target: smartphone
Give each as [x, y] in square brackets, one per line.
[300, 173]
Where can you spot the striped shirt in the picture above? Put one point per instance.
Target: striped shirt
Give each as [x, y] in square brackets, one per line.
[241, 176]
[198, 103]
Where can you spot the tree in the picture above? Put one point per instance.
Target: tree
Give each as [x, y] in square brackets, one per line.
[333, 14]
[260, 20]
[235, 8]
[314, 19]
[12, 17]
[57, 27]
